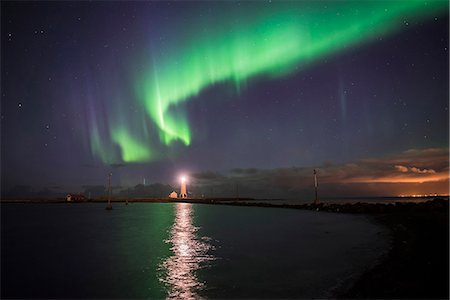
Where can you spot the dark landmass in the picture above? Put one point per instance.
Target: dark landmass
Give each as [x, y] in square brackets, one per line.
[416, 267]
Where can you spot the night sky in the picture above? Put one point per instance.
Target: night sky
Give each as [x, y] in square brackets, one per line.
[253, 93]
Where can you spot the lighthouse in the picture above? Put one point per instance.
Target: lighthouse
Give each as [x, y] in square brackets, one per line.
[183, 190]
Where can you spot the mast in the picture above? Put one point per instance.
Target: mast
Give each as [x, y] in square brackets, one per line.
[316, 199]
[109, 206]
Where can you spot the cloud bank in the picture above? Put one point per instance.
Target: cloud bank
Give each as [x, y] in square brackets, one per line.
[414, 171]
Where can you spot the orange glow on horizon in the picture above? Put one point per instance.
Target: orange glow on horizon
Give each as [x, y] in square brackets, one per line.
[401, 178]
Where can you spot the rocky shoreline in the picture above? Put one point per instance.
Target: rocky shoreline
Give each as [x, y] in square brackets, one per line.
[417, 265]
[438, 204]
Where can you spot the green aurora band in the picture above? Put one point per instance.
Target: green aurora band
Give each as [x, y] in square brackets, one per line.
[272, 41]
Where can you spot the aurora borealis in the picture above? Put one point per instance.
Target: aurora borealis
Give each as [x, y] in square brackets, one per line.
[152, 89]
[274, 42]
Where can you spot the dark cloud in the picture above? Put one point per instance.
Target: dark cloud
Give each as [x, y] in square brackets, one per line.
[208, 175]
[244, 171]
[382, 176]
[32, 192]
[154, 190]
[411, 166]
[116, 166]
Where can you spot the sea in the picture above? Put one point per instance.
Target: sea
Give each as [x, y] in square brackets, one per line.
[346, 200]
[182, 251]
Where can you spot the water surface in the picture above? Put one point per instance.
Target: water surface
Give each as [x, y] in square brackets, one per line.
[165, 250]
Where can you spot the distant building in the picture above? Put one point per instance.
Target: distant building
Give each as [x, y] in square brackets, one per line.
[173, 195]
[75, 197]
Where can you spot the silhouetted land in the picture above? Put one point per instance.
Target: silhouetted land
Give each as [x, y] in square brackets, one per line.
[417, 265]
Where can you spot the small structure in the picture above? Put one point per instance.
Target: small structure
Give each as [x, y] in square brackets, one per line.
[173, 195]
[75, 197]
[183, 190]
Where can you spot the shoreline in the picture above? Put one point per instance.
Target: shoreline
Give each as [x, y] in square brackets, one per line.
[416, 265]
[274, 202]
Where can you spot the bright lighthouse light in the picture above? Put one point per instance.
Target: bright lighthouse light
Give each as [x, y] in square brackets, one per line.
[183, 189]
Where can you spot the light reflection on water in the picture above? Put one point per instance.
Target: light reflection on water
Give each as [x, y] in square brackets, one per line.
[190, 253]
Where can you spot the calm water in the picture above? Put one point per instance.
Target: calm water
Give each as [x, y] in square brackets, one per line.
[383, 200]
[152, 250]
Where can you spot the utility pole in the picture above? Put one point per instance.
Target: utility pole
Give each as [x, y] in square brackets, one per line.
[316, 199]
[109, 206]
[237, 191]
